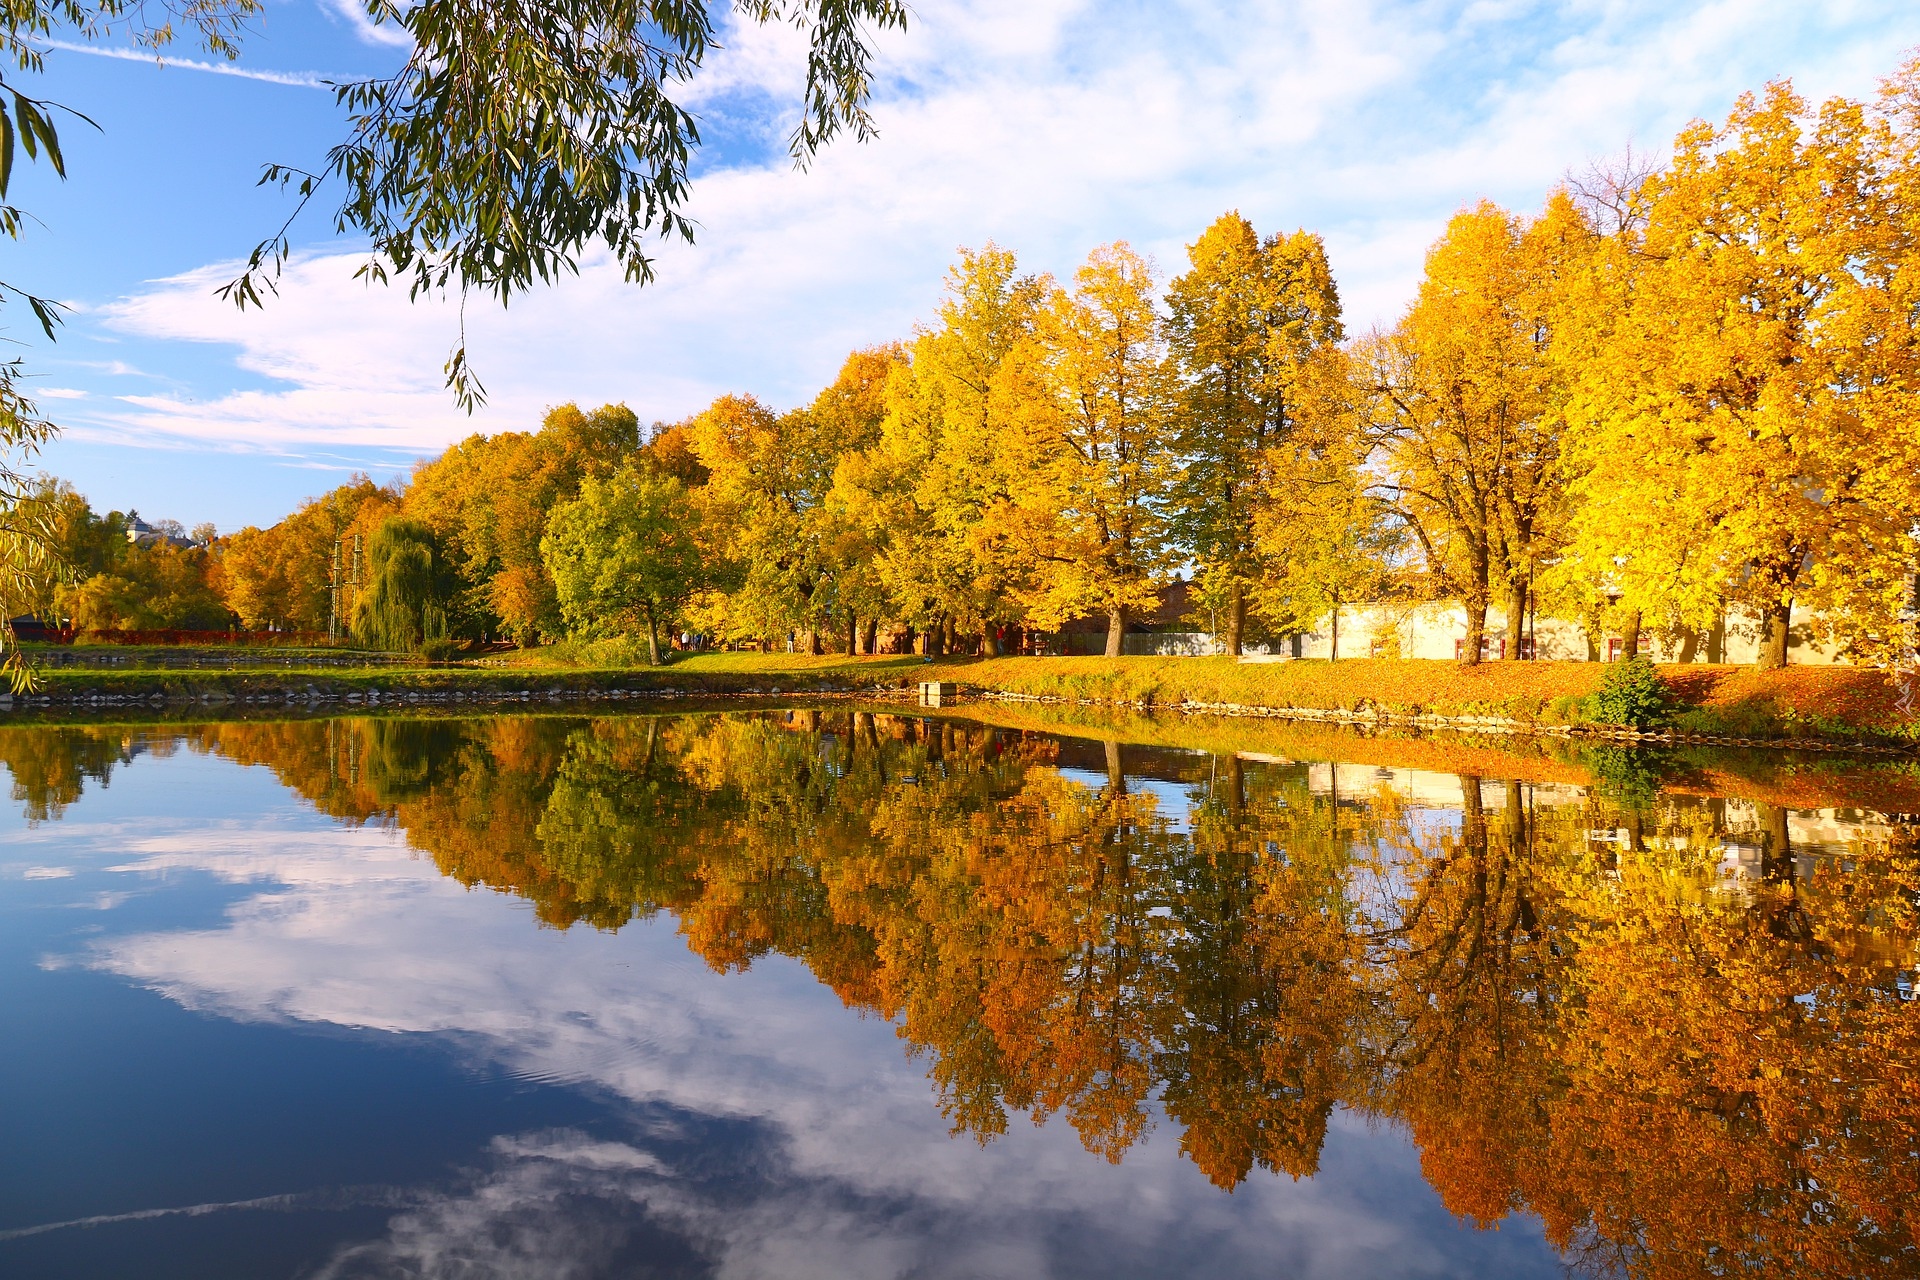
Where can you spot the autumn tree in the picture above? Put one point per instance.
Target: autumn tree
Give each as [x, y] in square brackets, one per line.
[930, 486]
[487, 500]
[282, 576]
[1334, 543]
[1467, 400]
[766, 497]
[1254, 328]
[624, 554]
[1751, 364]
[1094, 448]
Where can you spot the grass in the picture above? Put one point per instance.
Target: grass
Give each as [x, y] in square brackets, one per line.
[1844, 703]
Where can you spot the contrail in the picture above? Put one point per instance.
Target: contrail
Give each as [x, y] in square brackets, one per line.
[320, 1201]
[298, 79]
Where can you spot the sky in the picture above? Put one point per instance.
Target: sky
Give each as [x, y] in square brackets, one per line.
[1048, 127]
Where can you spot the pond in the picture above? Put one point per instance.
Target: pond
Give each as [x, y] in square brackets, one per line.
[848, 992]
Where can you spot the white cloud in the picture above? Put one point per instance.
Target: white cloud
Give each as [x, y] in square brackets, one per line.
[354, 14]
[1050, 127]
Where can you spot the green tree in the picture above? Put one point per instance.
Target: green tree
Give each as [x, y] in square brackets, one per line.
[1253, 326]
[625, 554]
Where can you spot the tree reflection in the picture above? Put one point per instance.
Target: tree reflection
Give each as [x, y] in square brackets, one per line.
[1559, 994]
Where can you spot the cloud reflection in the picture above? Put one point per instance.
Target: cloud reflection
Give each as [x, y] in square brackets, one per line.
[835, 1161]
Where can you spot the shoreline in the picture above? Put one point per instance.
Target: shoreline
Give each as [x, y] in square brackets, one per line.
[451, 687]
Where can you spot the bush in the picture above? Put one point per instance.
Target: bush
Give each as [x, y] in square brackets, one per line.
[442, 649]
[1631, 693]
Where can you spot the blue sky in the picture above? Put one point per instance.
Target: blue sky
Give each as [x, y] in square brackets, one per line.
[1049, 126]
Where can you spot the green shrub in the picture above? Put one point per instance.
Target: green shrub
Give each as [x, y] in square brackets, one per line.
[1566, 709]
[442, 649]
[1631, 693]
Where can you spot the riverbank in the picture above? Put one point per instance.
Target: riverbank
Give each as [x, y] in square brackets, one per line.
[1849, 706]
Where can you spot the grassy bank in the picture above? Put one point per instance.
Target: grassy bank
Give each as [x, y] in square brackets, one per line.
[1844, 704]
[1799, 702]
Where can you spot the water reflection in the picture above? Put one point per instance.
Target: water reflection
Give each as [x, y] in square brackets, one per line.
[1675, 1024]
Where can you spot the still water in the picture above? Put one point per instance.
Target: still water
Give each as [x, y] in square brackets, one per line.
[843, 993]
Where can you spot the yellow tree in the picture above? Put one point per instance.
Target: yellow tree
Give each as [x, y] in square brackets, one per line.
[802, 561]
[927, 486]
[1751, 370]
[1094, 456]
[1254, 327]
[1466, 396]
[283, 575]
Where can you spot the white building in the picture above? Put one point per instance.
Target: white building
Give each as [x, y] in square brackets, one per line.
[1440, 630]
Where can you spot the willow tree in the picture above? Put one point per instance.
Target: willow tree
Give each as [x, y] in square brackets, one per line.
[1254, 328]
[1753, 364]
[409, 588]
[1094, 448]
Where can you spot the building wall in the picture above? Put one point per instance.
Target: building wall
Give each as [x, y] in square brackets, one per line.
[1436, 631]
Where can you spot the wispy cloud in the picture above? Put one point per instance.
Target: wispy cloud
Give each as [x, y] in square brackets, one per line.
[355, 15]
[297, 79]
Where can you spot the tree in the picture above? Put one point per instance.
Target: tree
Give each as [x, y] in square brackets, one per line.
[769, 479]
[1336, 543]
[283, 576]
[1752, 362]
[1094, 454]
[153, 587]
[487, 500]
[1467, 401]
[928, 489]
[409, 588]
[1254, 326]
[624, 554]
[513, 137]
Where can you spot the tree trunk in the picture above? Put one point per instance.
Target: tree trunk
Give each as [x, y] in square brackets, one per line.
[653, 640]
[1116, 631]
[873, 637]
[1236, 619]
[1334, 652]
[851, 644]
[1630, 637]
[812, 643]
[910, 638]
[1516, 618]
[936, 636]
[1476, 629]
[989, 642]
[1778, 618]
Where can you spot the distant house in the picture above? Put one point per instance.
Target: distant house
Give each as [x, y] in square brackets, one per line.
[143, 534]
